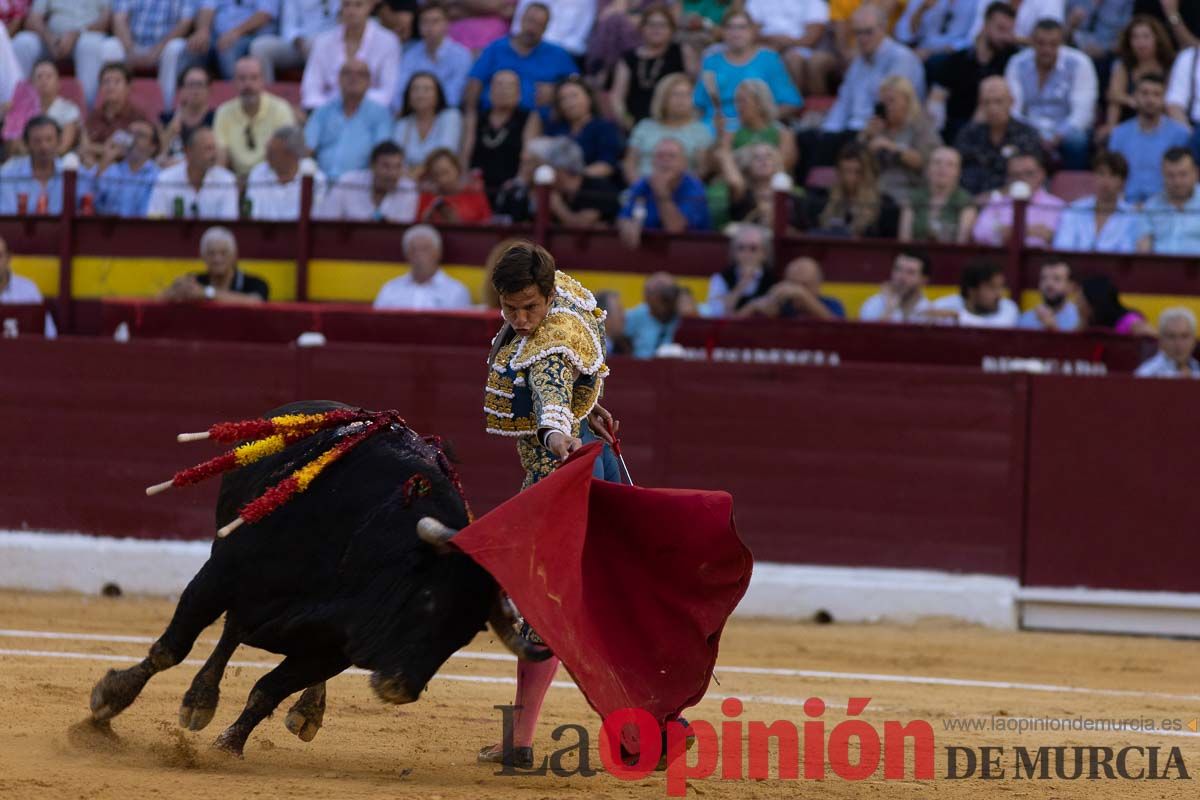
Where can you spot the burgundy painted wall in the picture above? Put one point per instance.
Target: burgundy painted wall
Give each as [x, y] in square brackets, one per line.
[826, 466]
[1112, 491]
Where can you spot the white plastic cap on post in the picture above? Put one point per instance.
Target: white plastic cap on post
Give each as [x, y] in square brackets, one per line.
[70, 162]
[308, 167]
[1020, 190]
[781, 182]
[543, 175]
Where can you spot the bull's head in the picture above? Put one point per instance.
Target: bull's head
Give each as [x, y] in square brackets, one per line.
[503, 617]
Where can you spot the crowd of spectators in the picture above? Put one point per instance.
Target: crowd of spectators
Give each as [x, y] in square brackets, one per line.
[936, 118]
[933, 112]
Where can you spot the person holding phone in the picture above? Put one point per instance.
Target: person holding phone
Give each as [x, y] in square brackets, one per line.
[901, 136]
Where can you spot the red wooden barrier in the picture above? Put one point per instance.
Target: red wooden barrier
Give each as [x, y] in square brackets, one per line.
[1112, 496]
[22, 320]
[1061, 481]
[917, 344]
[850, 341]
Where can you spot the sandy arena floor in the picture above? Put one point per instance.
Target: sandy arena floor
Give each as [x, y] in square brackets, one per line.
[54, 647]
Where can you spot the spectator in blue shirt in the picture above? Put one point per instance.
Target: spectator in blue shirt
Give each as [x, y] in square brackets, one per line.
[343, 132]
[437, 53]
[539, 65]
[1171, 220]
[941, 28]
[151, 32]
[1104, 222]
[669, 199]
[653, 323]
[225, 29]
[577, 116]
[126, 172]
[739, 59]
[1056, 312]
[38, 174]
[1144, 139]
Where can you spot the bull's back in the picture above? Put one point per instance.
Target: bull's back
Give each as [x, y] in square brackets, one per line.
[356, 520]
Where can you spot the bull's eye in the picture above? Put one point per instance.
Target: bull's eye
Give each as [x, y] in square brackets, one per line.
[416, 486]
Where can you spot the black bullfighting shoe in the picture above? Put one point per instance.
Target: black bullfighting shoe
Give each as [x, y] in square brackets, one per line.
[518, 757]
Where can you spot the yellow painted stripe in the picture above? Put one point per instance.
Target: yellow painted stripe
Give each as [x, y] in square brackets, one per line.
[97, 276]
[42, 270]
[359, 281]
[1150, 305]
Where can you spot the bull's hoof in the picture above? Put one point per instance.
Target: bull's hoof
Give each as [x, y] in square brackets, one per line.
[301, 726]
[114, 693]
[305, 717]
[230, 743]
[393, 690]
[199, 706]
[195, 719]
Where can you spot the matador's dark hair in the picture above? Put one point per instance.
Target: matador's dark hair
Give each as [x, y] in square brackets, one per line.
[522, 265]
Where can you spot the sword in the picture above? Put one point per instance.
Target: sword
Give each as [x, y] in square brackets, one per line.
[616, 448]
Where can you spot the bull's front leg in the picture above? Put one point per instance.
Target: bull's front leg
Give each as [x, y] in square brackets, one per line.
[306, 714]
[292, 675]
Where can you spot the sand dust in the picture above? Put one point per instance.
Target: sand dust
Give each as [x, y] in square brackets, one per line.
[368, 749]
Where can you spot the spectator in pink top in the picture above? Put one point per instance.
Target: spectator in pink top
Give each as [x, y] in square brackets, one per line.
[995, 223]
[478, 23]
[1100, 306]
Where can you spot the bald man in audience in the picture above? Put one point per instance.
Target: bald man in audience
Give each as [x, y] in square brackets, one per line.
[986, 145]
[796, 296]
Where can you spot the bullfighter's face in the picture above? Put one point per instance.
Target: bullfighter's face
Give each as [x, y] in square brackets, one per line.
[526, 309]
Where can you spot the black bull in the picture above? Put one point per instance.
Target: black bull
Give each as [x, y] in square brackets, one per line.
[338, 576]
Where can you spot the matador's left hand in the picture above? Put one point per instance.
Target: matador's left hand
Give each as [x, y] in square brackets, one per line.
[603, 424]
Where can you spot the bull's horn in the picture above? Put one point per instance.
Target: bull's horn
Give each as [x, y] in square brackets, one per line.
[435, 533]
[503, 621]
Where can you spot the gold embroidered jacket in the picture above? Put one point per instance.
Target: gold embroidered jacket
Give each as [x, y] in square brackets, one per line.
[553, 377]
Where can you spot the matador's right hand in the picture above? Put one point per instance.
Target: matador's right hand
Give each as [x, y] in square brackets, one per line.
[562, 445]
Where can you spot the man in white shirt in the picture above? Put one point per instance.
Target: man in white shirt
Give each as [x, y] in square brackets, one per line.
[425, 287]
[1176, 343]
[1183, 92]
[980, 302]
[1054, 89]
[20, 291]
[195, 188]
[1183, 87]
[748, 276]
[10, 69]
[273, 188]
[300, 21]
[569, 26]
[381, 193]
[902, 298]
[793, 28]
[364, 38]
